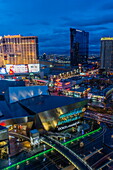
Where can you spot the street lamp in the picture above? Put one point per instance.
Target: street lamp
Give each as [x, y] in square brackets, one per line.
[44, 147]
[17, 167]
[9, 161]
[64, 139]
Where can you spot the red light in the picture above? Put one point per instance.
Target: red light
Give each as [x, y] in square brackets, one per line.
[11, 72]
[2, 124]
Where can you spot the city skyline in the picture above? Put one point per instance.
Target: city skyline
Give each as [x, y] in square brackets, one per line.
[51, 21]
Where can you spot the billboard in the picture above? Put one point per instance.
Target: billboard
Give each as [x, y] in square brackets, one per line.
[33, 68]
[11, 69]
[22, 68]
[2, 71]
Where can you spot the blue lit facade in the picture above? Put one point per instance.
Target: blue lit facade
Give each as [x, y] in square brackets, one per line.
[79, 45]
[71, 116]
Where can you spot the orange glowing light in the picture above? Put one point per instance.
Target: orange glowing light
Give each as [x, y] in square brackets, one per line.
[58, 80]
[60, 85]
[67, 83]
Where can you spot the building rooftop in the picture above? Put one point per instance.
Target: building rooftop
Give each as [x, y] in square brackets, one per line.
[2, 127]
[31, 106]
[107, 38]
[17, 36]
[43, 103]
[10, 111]
[81, 89]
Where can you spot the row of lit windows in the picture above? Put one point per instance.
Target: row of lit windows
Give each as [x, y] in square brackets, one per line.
[68, 120]
[75, 111]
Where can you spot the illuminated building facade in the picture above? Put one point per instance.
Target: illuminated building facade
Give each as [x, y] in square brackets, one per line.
[29, 110]
[17, 49]
[107, 53]
[63, 112]
[79, 44]
[4, 143]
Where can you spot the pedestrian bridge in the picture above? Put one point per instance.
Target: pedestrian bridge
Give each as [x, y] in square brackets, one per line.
[67, 153]
[19, 135]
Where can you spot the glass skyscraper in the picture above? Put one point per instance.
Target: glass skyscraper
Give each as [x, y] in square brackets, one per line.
[107, 53]
[79, 42]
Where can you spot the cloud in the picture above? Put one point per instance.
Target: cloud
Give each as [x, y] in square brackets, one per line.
[89, 21]
[43, 38]
[45, 23]
[60, 30]
[50, 21]
[31, 23]
[93, 29]
[107, 6]
[56, 44]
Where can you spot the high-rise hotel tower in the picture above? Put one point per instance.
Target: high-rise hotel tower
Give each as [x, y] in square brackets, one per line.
[17, 49]
[107, 53]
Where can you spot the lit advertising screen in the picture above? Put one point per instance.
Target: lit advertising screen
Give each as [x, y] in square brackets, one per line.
[8, 67]
[17, 68]
[21, 68]
[2, 71]
[33, 68]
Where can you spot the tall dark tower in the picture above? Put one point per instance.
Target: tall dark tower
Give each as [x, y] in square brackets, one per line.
[107, 53]
[79, 42]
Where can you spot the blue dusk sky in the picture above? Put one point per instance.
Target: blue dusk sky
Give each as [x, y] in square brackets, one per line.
[51, 20]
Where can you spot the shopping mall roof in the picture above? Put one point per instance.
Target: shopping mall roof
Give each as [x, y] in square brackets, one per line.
[2, 127]
[11, 111]
[31, 106]
[45, 102]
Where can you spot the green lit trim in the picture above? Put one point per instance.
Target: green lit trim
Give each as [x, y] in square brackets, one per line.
[32, 157]
[44, 152]
[62, 154]
[80, 137]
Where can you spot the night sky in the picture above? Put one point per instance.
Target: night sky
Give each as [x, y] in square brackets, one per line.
[51, 20]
